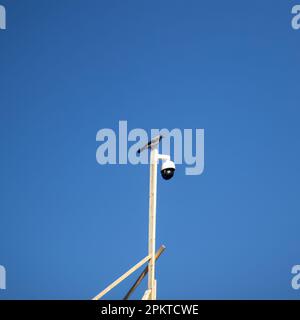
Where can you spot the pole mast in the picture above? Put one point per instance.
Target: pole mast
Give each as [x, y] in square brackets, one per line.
[152, 221]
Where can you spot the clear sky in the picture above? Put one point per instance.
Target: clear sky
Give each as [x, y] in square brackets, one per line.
[69, 227]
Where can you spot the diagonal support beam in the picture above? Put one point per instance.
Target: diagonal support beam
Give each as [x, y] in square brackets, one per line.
[143, 274]
[123, 277]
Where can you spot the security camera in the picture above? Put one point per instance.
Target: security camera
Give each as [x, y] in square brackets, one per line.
[167, 169]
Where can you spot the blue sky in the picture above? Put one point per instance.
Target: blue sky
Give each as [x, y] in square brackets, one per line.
[69, 227]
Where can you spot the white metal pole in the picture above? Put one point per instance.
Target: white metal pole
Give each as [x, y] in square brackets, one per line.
[152, 222]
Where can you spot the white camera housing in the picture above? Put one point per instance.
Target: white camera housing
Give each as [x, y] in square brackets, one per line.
[167, 169]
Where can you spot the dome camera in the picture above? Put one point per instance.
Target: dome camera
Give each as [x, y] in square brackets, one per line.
[167, 169]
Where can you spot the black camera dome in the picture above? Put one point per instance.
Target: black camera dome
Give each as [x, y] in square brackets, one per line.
[167, 173]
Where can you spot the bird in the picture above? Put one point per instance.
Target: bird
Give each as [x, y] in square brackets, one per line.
[152, 143]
